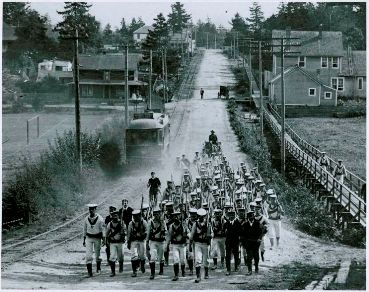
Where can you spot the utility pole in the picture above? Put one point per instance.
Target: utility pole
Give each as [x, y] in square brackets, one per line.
[234, 47]
[283, 97]
[283, 101]
[163, 78]
[127, 90]
[166, 73]
[150, 80]
[76, 104]
[261, 92]
[215, 42]
[207, 40]
[250, 68]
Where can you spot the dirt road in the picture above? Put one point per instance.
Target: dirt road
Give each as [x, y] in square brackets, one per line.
[64, 266]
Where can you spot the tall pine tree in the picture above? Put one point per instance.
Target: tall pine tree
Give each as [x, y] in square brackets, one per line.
[256, 19]
[76, 17]
[178, 18]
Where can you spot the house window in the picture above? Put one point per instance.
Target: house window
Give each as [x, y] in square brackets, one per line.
[360, 83]
[312, 91]
[301, 60]
[107, 75]
[138, 36]
[58, 68]
[335, 63]
[327, 95]
[324, 62]
[43, 67]
[338, 83]
[87, 90]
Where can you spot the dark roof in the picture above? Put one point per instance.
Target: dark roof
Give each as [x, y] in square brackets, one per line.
[294, 68]
[9, 32]
[358, 64]
[144, 29]
[109, 61]
[330, 43]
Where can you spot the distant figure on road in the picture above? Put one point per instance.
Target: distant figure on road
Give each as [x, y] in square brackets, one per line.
[218, 94]
[339, 171]
[213, 138]
[154, 184]
[202, 93]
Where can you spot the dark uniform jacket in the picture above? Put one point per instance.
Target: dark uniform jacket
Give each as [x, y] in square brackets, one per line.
[252, 232]
[116, 232]
[232, 232]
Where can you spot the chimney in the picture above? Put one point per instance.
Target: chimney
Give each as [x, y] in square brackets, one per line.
[320, 31]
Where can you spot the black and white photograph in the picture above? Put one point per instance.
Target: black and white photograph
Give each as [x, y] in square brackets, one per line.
[193, 145]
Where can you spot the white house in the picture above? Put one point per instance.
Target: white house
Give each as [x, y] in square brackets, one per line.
[140, 34]
[61, 70]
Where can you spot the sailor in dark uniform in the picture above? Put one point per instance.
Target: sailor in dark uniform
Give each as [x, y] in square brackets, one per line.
[232, 240]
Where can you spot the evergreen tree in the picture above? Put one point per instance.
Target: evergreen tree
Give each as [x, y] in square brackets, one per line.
[76, 17]
[256, 19]
[107, 34]
[14, 12]
[178, 18]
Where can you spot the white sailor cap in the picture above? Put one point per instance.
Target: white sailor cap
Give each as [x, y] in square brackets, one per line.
[198, 177]
[239, 191]
[201, 212]
[214, 188]
[145, 206]
[270, 192]
[92, 205]
[193, 210]
[258, 200]
[273, 196]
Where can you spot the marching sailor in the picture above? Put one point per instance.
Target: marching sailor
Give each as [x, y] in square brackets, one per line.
[137, 232]
[155, 241]
[93, 237]
[177, 236]
[115, 234]
[201, 235]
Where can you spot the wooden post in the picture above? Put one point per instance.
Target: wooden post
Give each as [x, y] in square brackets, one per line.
[250, 68]
[38, 126]
[127, 90]
[283, 155]
[27, 132]
[150, 81]
[77, 97]
[261, 93]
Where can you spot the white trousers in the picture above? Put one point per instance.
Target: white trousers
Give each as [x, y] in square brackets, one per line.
[217, 247]
[274, 229]
[156, 251]
[179, 253]
[201, 254]
[116, 252]
[92, 245]
[137, 250]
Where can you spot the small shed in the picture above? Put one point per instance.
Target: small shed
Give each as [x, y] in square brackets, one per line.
[302, 88]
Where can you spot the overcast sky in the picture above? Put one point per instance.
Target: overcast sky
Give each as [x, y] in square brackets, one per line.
[220, 12]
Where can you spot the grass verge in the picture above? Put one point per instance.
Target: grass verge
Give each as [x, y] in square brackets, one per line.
[52, 186]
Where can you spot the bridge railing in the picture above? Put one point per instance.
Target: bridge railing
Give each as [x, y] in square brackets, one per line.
[355, 205]
[354, 182]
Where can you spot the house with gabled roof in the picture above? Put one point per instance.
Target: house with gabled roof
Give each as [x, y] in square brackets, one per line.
[139, 35]
[302, 88]
[320, 56]
[103, 75]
